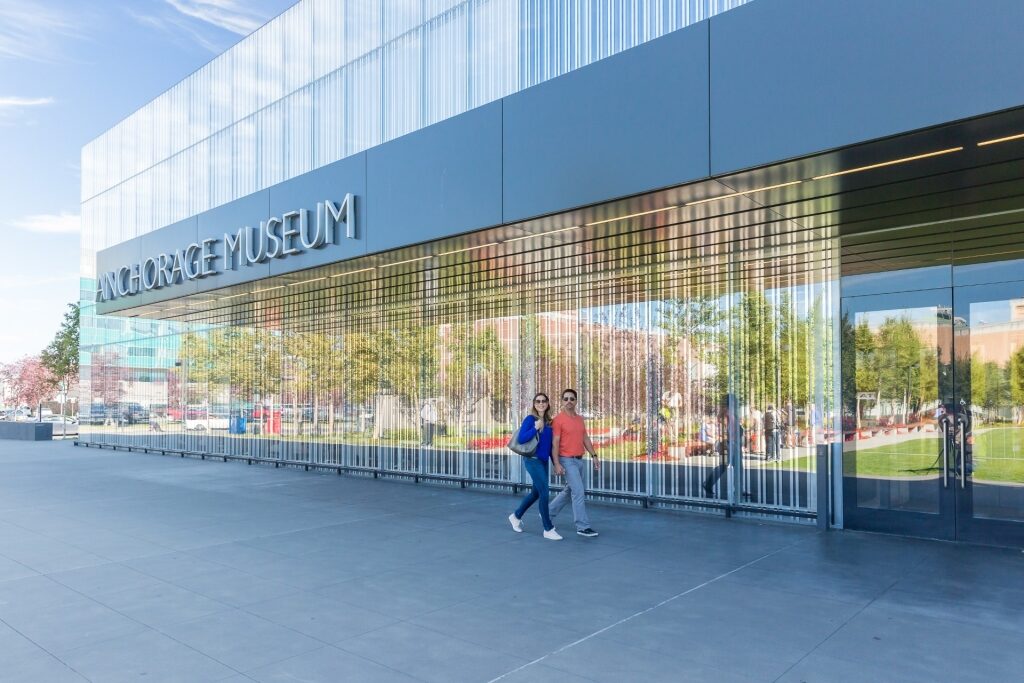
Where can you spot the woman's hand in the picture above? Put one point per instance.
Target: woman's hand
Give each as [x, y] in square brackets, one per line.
[538, 424]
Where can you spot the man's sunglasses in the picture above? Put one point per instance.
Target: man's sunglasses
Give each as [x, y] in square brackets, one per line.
[569, 398]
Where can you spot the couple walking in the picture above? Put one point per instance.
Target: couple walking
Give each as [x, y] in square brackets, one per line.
[563, 441]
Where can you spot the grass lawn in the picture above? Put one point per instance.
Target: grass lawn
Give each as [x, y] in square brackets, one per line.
[998, 456]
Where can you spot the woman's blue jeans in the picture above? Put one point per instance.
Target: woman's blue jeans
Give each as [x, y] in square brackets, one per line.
[538, 470]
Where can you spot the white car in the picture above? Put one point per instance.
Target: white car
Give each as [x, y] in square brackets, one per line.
[68, 425]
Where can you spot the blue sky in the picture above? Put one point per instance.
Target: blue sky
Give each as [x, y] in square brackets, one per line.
[70, 70]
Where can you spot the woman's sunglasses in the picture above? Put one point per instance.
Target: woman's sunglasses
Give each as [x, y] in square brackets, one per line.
[540, 400]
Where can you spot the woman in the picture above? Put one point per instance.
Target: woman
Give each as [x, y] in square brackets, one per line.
[539, 420]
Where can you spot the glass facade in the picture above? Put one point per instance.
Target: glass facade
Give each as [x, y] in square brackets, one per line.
[330, 78]
[698, 358]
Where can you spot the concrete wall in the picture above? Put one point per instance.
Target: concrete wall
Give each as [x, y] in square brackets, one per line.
[772, 80]
[26, 431]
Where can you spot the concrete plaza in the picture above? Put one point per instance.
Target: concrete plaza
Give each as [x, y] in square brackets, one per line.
[118, 566]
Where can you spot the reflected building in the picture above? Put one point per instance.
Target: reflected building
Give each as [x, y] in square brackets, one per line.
[364, 236]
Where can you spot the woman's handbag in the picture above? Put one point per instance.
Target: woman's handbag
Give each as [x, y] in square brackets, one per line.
[528, 449]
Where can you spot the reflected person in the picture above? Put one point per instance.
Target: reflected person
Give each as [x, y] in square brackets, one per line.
[725, 425]
[537, 421]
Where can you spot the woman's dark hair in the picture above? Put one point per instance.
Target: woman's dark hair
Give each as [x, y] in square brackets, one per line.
[547, 411]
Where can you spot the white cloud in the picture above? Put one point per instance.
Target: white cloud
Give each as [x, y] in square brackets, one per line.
[175, 26]
[31, 30]
[49, 223]
[14, 102]
[229, 15]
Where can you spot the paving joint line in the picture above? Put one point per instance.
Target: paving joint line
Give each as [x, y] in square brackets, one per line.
[645, 611]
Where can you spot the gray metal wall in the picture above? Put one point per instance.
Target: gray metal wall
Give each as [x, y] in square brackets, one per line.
[772, 80]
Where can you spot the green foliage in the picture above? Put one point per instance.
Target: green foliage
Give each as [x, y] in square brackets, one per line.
[61, 356]
[1017, 377]
[244, 360]
[476, 367]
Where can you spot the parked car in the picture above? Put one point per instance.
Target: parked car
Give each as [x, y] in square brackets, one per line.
[130, 413]
[66, 427]
[95, 414]
[202, 418]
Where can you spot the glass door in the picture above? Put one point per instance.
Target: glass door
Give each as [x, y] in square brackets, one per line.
[899, 413]
[989, 388]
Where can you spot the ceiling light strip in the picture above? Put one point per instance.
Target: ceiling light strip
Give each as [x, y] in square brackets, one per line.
[996, 141]
[744, 192]
[268, 289]
[889, 163]
[542, 234]
[353, 272]
[632, 215]
[412, 260]
[306, 282]
[459, 251]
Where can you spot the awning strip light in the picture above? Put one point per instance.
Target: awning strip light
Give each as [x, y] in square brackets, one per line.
[744, 192]
[412, 260]
[541, 234]
[889, 163]
[632, 215]
[304, 282]
[996, 141]
[353, 272]
[459, 251]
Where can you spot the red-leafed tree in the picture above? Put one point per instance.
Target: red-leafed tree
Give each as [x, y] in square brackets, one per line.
[29, 382]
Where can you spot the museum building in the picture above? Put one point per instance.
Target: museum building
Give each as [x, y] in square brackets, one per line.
[776, 245]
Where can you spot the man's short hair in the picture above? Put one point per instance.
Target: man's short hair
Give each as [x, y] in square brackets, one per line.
[570, 391]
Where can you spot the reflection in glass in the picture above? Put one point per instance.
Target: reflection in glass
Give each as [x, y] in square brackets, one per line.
[893, 418]
[995, 396]
[684, 355]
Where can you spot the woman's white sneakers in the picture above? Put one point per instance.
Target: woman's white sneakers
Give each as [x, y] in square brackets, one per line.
[517, 526]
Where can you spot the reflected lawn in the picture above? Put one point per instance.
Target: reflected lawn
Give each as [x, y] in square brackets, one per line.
[998, 456]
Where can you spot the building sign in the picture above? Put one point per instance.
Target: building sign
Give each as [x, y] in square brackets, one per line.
[277, 237]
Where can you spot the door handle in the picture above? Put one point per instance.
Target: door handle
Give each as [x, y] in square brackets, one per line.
[963, 460]
[945, 455]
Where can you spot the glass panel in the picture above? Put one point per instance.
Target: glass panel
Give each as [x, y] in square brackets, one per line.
[679, 347]
[374, 70]
[995, 394]
[892, 407]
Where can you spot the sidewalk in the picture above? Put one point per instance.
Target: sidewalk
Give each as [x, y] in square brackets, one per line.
[118, 566]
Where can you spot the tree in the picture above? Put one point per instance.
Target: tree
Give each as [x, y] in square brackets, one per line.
[105, 377]
[29, 380]
[317, 365]
[476, 367]
[61, 356]
[1017, 382]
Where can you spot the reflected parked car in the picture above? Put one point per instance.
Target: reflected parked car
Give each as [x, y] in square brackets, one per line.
[202, 418]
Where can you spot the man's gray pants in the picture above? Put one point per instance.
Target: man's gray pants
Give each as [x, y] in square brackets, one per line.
[574, 487]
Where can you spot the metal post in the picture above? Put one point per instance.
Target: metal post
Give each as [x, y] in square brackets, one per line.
[824, 455]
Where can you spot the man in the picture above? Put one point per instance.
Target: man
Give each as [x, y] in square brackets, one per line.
[771, 434]
[429, 417]
[567, 448]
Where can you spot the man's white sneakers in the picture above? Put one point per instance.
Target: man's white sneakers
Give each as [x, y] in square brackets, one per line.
[517, 524]
[552, 535]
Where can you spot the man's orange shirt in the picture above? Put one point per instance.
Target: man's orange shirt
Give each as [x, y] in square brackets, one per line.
[569, 430]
